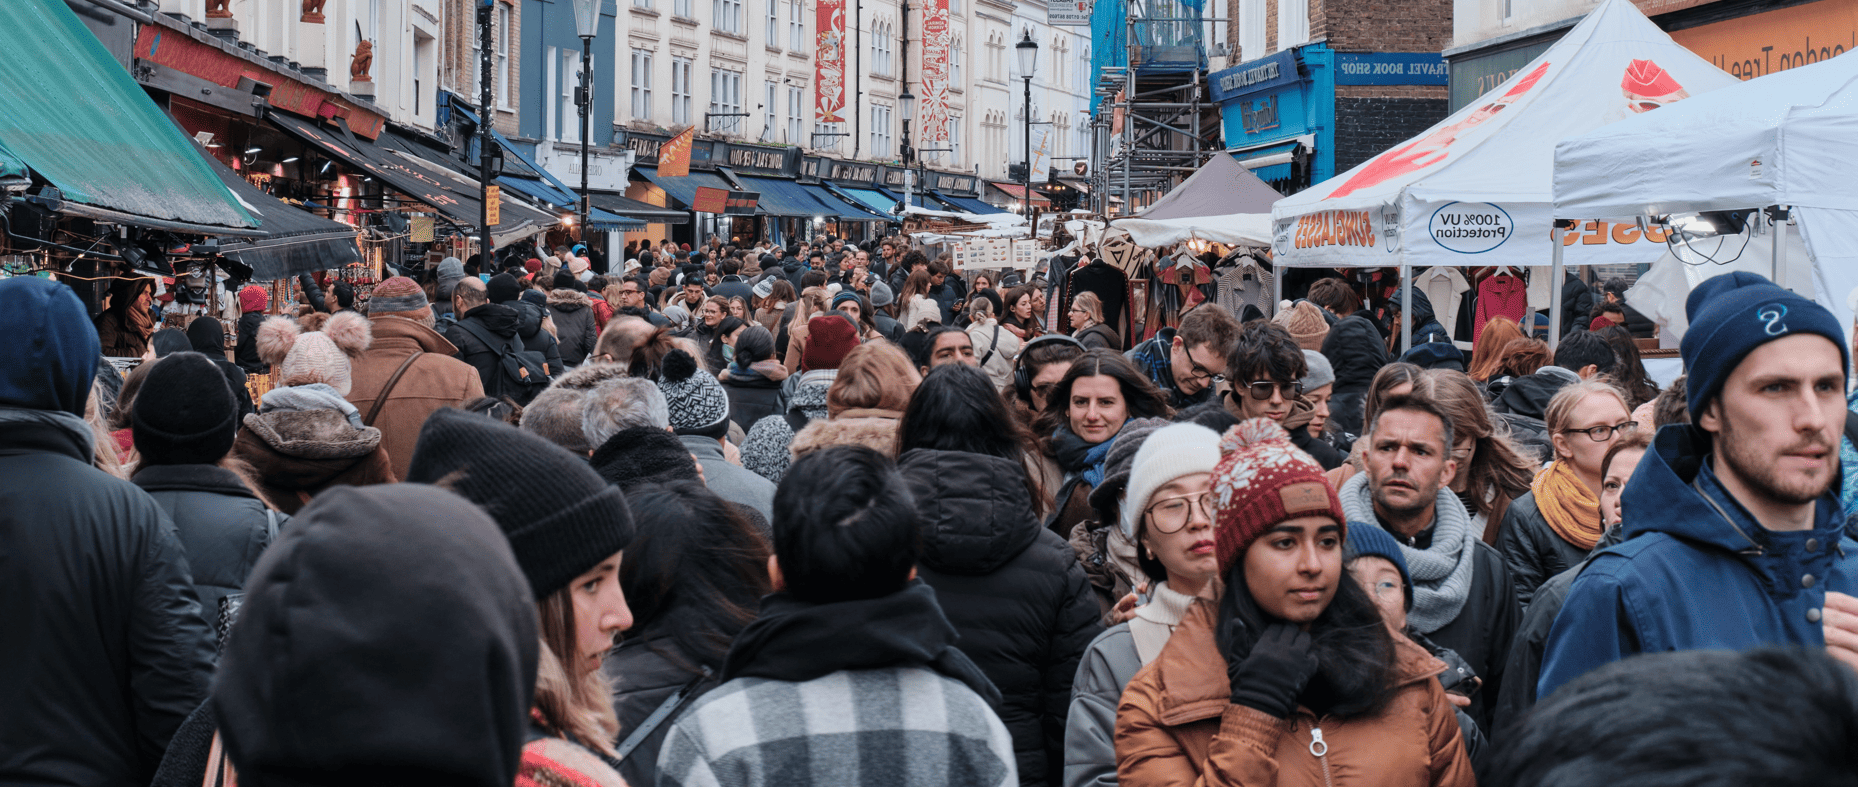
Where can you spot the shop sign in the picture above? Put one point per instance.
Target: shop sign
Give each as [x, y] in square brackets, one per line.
[962, 185]
[1777, 40]
[772, 162]
[1390, 68]
[1258, 115]
[1256, 76]
[1472, 77]
[1470, 227]
[606, 169]
[644, 147]
[1602, 233]
[1068, 13]
[896, 177]
[812, 168]
[853, 172]
[724, 201]
[1335, 228]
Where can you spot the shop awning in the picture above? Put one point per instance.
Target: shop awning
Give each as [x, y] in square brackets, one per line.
[967, 204]
[684, 190]
[788, 199]
[854, 209]
[74, 116]
[877, 201]
[634, 209]
[1018, 192]
[448, 192]
[569, 201]
[299, 241]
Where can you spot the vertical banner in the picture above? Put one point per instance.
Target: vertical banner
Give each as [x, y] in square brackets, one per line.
[674, 154]
[829, 63]
[1041, 153]
[935, 67]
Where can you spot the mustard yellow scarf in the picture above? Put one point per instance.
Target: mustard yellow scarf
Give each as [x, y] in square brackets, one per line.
[1570, 508]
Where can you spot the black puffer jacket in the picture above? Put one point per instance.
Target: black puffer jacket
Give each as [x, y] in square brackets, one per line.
[104, 650]
[497, 320]
[1532, 550]
[246, 351]
[1014, 591]
[529, 319]
[751, 398]
[1357, 351]
[222, 525]
[643, 678]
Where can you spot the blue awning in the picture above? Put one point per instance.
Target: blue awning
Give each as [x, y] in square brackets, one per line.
[967, 204]
[877, 201]
[597, 219]
[788, 198]
[684, 189]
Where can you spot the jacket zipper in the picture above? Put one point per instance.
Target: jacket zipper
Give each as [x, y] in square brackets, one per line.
[1320, 750]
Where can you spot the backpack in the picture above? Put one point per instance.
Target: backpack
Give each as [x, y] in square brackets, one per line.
[525, 372]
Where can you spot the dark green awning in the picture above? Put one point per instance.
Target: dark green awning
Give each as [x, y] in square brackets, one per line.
[74, 116]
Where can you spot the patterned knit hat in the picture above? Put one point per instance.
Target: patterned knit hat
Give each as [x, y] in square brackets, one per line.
[829, 339]
[1304, 321]
[316, 357]
[1261, 481]
[698, 404]
[253, 298]
[397, 295]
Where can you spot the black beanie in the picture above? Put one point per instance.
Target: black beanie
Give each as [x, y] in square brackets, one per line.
[503, 288]
[644, 455]
[560, 517]
[184, 413]
[169, 341]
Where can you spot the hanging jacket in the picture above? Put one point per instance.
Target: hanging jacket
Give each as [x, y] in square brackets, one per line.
[222, 524]
[1013, 589]
[1697, 571]
[1177, 725]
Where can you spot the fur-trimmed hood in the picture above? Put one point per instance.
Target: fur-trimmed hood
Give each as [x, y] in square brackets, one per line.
[568, 300]
[313, 434]
[873, 429]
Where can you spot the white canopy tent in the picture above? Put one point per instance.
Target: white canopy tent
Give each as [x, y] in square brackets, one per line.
[1239, 229]
[1787, 139]
[1477, 188]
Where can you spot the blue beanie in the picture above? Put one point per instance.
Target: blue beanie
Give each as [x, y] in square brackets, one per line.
[1367, 540]
[1731, 315]
[52, 349]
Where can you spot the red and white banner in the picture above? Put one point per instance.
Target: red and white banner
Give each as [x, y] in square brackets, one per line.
[829, 63]
[935, 73]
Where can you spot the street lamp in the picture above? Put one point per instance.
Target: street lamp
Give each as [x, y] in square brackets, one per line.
[909, 113]
[1028, 58]
[586, 25]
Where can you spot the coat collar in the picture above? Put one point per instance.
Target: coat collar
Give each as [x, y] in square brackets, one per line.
[190, 478]
[1191, 670]
[394, 332]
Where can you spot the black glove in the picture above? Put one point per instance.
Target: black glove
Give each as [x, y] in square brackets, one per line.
[1270, 678]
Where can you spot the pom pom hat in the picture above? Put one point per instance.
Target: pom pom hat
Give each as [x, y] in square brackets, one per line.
[1262, 480]
[315, 357]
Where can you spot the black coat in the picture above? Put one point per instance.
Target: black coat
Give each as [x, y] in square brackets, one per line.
[208, 338]
[246, 350]
[643, 679]
[1357, 351]
[536, 340]
[1014, 591]
[751, 399]
[1484, 628]
[1099, 337]
[222, 525]
[497, 320]
[1532, 550]
[1523, 670]
[1318, 448]
[104, 650]
[1577, 303]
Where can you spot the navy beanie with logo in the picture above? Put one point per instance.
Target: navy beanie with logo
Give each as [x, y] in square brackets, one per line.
[1731, 315]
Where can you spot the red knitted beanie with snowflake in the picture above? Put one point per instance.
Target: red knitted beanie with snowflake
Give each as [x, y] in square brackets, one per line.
[1263, 480]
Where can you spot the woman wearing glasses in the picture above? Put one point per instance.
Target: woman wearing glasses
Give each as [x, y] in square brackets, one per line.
[1168, 513]
[1087, 320]
[1558, 522]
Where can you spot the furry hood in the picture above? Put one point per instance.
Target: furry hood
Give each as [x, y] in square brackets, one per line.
[567, 300]
[873, 429]
[312, 434]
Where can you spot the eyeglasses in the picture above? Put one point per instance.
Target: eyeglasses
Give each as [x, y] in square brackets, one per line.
[1200, 372]
[1171, 514]
[1601, 434]
[1262, 389]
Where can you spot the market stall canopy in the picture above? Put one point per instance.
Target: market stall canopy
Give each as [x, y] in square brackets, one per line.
[1477, 189]
[297, 241]
[73, 115]
[634, 209]
[1239, 229]
[1781, 139]
[875, 200]
[1220, 187]
[450, 193]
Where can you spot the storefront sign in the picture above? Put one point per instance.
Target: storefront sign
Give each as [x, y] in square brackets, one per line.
[1470, 227]
[724, 201]
[755, 160]
[1259, 115]
[1068, 13]
[1255, 77]
[1601, 233]
[829, 63]
[1472, 77]
[849, 172]
[606, 169]
[960, 185]
[1776, 40]
[896, 177]
[1335, 228]
[644, 147]
[1390, 68]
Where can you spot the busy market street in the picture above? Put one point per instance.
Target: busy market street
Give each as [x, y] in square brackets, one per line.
[1266, 392]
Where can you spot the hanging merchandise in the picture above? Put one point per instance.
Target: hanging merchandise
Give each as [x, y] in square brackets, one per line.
[1242, 282]
[1111, 286]
[1445, 288]
[1504, 294]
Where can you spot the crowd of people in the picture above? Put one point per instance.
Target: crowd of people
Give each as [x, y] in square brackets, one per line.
[844, 514]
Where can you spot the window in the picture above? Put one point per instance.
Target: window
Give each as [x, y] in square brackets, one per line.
[796, 99]
[503, 56]
[641, 84]
[727, 16]
[681, 8]
[641, 3]
[954, 65]
[827, 136]
[568, 116]
[1293, 23]
[954, 141]
[725, 99]
[881, 49]
[880, 131]
[680, 90]
[1251, 30]
[773, 33]
[796, 25]
[954, 6]
[770, 111]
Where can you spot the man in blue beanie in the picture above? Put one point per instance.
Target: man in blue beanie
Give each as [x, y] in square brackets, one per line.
[1733, 536]
[104, 650]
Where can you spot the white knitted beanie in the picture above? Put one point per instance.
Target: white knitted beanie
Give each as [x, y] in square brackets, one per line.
[1169, 452]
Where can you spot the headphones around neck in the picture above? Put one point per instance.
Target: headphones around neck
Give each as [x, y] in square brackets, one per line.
[1022, 376]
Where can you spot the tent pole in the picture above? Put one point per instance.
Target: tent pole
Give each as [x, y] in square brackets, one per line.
[1554, 278]
[1406, 308]
[1776, 259]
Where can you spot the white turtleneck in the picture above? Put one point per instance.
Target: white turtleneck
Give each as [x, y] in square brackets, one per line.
[1154, 622]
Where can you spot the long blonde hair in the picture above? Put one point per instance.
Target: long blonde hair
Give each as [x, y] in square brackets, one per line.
[579, 708]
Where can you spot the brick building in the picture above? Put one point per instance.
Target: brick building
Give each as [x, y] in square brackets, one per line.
[1323, 85]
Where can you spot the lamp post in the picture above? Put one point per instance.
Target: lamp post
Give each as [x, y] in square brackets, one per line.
[909, 113]
[1028, 58]
[485, 142]
[586, 25]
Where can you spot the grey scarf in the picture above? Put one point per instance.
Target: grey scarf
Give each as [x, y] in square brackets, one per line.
[1441, 572]
[306, 398]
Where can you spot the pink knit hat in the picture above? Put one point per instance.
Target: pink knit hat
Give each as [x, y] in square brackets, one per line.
[253, 298]
[317, 357]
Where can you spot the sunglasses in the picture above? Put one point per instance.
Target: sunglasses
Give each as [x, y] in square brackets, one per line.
[1263, 389]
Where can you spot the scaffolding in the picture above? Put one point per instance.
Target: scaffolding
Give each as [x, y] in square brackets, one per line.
[1153, 76]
